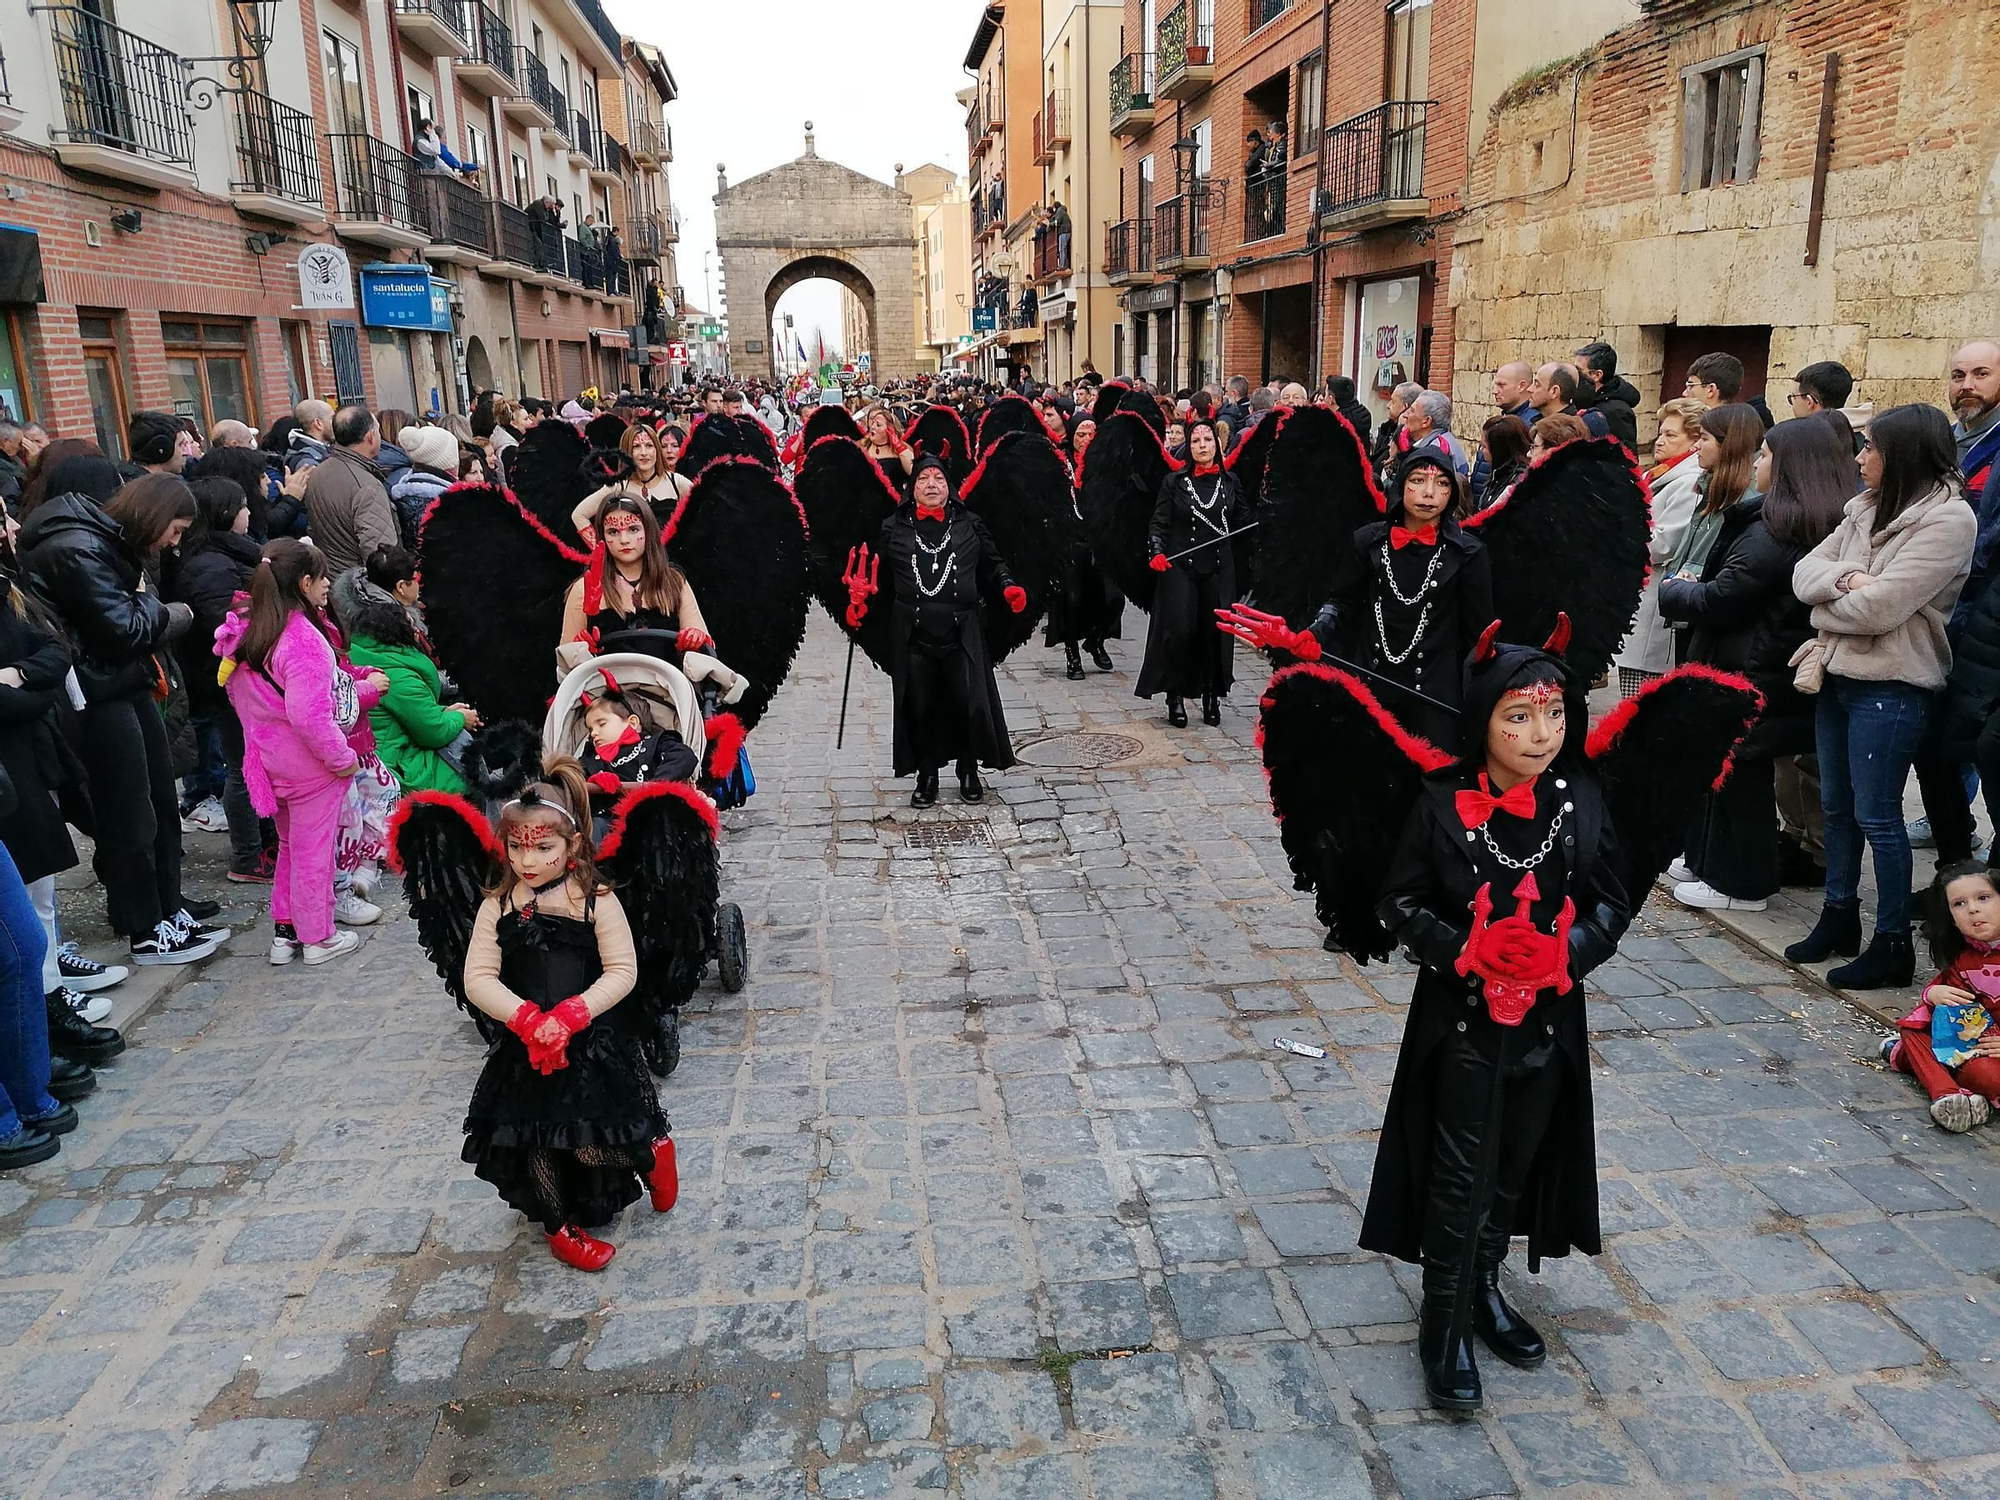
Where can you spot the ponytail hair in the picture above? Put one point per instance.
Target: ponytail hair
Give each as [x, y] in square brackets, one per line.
[276, 595]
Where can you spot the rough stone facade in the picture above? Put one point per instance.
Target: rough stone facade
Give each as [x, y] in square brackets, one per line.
[1577, 227]
[815, 218]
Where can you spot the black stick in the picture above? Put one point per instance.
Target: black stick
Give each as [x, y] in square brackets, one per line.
[1198, 546]
[845, 683]
[1401, 687]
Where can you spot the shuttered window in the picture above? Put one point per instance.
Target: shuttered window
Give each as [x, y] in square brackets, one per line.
[1722, 105]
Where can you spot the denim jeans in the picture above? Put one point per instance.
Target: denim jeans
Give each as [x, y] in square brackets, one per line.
[1868, 734]
[24, 1020]
[211, 768]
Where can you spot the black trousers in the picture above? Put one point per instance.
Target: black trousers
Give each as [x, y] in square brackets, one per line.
[1466, 1072]
[940, 699]
[138, 852]
[1733, 844]
[1948, 744]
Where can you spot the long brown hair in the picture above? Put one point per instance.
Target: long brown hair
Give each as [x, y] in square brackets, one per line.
[1740, 431]
[145, 507]
[629, 439]
[660, 584]
[563, 788]
[36, 490]
[276, 595]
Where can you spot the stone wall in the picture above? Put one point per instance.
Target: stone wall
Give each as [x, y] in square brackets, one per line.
[1576, 227]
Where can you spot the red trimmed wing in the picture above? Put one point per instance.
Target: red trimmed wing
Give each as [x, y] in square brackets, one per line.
[722, 436]
[941, 430]
[660, 854]
[446, 852]
[1572, 538]
[1021, 491]
[847, 498]
[1108, 397]
[1343, 776]
[1008, 414]
[831, 421]
[1122, 474]
[551, 473]
[1317, 493]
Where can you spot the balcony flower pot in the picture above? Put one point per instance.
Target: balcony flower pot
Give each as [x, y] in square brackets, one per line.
[1197, 57]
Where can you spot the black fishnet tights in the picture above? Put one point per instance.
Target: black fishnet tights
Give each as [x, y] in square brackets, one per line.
[545, 1169]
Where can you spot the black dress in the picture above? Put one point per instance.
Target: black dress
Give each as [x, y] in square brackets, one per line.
[1089, 610]
[604, 1100]
[1186, 656]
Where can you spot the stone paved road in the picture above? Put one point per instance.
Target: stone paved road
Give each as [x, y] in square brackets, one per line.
[995, 1188]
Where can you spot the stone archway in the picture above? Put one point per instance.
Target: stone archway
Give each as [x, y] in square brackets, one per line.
[478, 367]
[812, 217]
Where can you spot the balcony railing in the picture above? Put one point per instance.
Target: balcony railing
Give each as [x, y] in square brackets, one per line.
[451, 14]
[457, 213]
[1022, 314]
[1181, 224]
[1264, 203]
[599, 23]
[1132, 92]
[119, 90]
[1052, 254]
[647, 149]
[642, 240]
[513, 233]
[583, 140]
[1263, 12]
[975, 129]
[535, 86]
[1185, 46]
[277, 149]
[1375, 160]
[491, 41]
[1128, 247]
[1055, 119]
[376, 181]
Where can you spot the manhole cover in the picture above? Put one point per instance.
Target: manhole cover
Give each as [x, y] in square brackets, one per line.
[949, 833]
[1080, 751]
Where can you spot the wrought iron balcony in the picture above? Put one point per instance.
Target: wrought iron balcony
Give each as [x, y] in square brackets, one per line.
[1052, 256]
[488, 64]
[647, 149]
[1181, 225]
[642, 240]
[1128, 251]
[124, 110]
[513, 238]
[1185, 48]
[461, 229]
[1132, 94]
[586, 263]
[1264, 203]
[437, 27]
[277, 159]
[1264, 12]
[583, 145]
[1371, 168]
[1055, 119]
[378, 198]
[538, 104]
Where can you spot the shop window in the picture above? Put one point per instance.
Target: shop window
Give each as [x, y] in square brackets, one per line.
[297, 371]
[102, 377]
[208, 370]
[17, 396]
[1722, 105]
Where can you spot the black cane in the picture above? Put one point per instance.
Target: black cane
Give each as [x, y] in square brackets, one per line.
[1401, 687]
[846, 682]
[1226, 536]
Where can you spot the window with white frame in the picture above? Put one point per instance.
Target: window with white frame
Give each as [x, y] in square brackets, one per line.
[1311, 101]
[1722, 105]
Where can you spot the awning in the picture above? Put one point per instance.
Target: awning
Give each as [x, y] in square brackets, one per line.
[613, 338]
[1024, 336]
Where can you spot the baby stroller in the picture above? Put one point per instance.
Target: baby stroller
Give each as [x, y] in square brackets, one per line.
[671, 703]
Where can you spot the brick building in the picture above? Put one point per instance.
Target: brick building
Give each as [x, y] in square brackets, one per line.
[214, 209]
[1789, 181]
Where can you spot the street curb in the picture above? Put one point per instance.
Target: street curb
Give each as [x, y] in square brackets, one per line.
[1860, 999]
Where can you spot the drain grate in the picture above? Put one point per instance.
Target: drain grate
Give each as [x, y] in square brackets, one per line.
[1080, 751]
[950, 833]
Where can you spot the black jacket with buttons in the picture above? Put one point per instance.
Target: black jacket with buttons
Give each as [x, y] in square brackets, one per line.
[1433, 881]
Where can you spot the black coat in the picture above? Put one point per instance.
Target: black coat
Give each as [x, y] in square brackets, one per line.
[1175, 527]
[33, 753]
[1618, 404]
[1432, 881]
[959, 609]
[1972, 694]
[208, 581]
[1744, 617]
[78, 563]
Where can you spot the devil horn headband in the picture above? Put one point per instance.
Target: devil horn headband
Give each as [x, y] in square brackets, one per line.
[1484, 650]
[1558, 641]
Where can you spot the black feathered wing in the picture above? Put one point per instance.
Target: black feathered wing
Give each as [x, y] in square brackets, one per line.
[1317, 492]
[494, 579]
[660, 857]
[1252, 455]
[550, 474]
[1021, 491]
[847, 498]
[1108, 396]
[1658, 752]
[740, 537]
[1008, 414]
[720, 436]
[1343, 776]
[941, 431]
[447, 853]
[1572, 539]
[830, 421]
[1123, 470]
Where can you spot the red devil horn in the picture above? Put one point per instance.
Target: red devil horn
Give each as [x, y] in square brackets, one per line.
[587, 700]
[611, 684]
[1484, 650]
[1558, 641]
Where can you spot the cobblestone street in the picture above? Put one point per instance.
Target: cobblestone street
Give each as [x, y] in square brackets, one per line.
[994, 1187]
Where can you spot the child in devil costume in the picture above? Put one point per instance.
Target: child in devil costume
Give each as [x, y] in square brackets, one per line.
[1505, 887]
[565, 1120]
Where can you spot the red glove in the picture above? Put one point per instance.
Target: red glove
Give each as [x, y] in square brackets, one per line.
[608, 783]
[863, 578]
[1266, 631]
[526, 1021]
[1159, 564]
[589, 534]
[691, 639]
[1513, 949]
[548, 1051]
[572, 1014]
[1017, 597]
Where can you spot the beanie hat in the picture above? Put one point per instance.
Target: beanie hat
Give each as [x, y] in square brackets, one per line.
[433, 447]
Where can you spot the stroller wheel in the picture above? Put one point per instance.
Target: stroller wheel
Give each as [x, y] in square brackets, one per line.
[732, 955]
[663, 1049]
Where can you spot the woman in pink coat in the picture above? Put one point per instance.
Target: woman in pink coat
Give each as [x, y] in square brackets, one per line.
[295, 701]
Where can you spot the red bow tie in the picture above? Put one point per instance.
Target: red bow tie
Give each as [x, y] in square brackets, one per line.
[629, 737]
[1474, 808]
[930, 515]
[1400, 538]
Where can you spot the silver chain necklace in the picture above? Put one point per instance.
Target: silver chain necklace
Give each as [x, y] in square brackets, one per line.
[1194, 495]
[925, 549]
[1555, 827]
[1423, 588]
[1416, 636]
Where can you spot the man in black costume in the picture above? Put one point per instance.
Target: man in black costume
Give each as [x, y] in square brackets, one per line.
[1505, 887]
[940, 562]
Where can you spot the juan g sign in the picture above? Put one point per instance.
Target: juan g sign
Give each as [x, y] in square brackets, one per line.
[325, 278]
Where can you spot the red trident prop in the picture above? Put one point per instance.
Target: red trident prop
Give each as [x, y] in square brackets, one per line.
[863, 577]
[1513, 958]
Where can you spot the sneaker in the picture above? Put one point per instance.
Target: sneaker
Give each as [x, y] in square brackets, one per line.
[1888, 1050]
[1705, 897]
[168, 944]
[201, 911]
[257, 872]
[363, 882]
[285, 944]
[337, 946]
[351, 911]
[93, 1008]
[206, 816]
[187, 922]
[1679, 872]
[1959, 1113]
[87, 974]
[1920, 834]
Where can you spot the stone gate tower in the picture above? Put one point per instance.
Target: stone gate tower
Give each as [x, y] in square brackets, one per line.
[808, 218]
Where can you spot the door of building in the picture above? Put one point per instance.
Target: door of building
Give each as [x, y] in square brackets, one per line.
[1684, 346]
[570, 377]
[395, 380]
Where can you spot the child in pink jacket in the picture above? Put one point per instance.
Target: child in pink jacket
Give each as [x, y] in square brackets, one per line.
[294, 699]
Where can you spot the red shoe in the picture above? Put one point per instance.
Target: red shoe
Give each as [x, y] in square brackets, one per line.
[665, 1178]
[573, 1247]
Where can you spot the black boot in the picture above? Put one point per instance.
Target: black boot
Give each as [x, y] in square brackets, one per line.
[926, 793]
[73, 1037]
[1176, 711]
[969, 789]
[70, 1081]
[1890, 963]
[1075, 672]
[1211, 709]
[1505, 1331]
[1837, 931]
[1099, 655]
[1451, 1374]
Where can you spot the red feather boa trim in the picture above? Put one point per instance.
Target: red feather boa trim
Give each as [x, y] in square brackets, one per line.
[1611, 728]
[451, 801]
[463, 487]
[1422, 753]
[725, 734]
[621, 815]
[1278, 415]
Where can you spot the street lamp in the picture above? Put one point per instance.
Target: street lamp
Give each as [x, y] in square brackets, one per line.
[252, 23]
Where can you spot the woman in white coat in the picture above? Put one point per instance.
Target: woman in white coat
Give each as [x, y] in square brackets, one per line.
[1648, 651]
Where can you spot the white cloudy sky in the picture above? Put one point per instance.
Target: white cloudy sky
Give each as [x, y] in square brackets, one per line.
[876, 79]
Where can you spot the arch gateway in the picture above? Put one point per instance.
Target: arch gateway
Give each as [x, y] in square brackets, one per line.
[812, 217]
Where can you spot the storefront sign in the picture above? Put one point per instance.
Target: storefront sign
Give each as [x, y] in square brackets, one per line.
[612, 338]
[985, 319]
[1156, 298]
[753, 346]
[395, 296]
[325, 279]
[1055, 309]
[678, 353]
